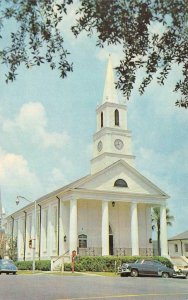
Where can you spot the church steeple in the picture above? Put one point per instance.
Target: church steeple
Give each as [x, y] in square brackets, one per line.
[112, 140]
[110, 93]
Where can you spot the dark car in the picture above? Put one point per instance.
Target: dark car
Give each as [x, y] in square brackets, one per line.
[146, 267]
[7, 266]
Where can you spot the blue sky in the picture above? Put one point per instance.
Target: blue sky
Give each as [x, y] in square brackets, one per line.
[46, 128]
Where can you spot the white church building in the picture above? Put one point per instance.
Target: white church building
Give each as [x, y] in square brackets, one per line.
[107, 212]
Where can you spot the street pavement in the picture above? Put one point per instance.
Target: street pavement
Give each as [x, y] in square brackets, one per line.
[87, 287]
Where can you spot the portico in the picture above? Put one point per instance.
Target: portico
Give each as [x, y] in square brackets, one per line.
[116, 220]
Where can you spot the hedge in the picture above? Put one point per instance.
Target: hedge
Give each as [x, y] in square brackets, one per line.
[90, 263]
[42, 265]
[108, 263]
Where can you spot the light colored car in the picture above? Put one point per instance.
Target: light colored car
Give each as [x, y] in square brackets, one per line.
[7, 266]
[181, 273]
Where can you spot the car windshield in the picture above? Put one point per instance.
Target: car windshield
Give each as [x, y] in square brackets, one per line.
[138, 261]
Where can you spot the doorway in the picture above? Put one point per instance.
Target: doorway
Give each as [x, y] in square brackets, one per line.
[111, 241]
[111, 245]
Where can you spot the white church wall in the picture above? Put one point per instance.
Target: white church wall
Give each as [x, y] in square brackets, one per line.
[120, 224]
[144, 225]
[89, 221]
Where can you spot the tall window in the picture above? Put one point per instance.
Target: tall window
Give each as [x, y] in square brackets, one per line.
[176, 247]
[116, 117]
[16, 229]
[45, 227]
[22, 232]
[38, 231]
[55, 227]
[101, 119]
[82, 238]
[29, 226]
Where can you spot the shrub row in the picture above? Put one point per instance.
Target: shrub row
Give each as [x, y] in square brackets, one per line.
[90, 263]
[42, 265]
[108, 263]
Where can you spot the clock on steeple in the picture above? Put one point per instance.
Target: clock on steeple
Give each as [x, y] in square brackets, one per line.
[112, 140]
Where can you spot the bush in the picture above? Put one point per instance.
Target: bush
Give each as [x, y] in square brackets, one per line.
[42, 265]
[67, 267]
[90, 263]
[108, 263]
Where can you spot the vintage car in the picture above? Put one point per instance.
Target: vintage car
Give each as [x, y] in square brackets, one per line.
[181, 273]
[7, 266]
[146, 267]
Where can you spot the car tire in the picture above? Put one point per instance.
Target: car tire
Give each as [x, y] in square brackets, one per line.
[165, 275]
[134, 273]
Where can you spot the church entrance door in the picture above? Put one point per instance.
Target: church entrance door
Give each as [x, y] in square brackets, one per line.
[111, 245]
[111, 241]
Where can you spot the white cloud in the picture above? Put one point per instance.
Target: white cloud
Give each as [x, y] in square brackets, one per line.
[56, 179]
[16, 177]
[14, 168]
[32, 120]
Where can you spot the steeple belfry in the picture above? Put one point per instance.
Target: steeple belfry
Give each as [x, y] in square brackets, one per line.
[112, 140]
[110, 93]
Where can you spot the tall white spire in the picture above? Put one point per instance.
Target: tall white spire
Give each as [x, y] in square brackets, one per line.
[110, 93]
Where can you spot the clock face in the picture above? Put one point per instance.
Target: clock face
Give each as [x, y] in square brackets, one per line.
[99, 146]
[118, 144]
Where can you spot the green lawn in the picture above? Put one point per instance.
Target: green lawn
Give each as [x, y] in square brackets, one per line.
[66, 273]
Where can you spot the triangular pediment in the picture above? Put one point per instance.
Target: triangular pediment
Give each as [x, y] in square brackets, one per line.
[105, 180]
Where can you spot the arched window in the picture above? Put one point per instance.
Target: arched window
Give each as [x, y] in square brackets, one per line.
[116, 117]
[101, 119]
[82, 241]
[120, 183]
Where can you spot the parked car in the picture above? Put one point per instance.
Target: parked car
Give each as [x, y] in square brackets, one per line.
[146, 267]
[181, 273]
[7, 266]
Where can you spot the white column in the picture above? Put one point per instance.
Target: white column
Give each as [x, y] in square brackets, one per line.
[105, 228]
[163, 231]
[19, 239]
[50, 231]
[73, 226]
[134, 229]
[61, 230]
